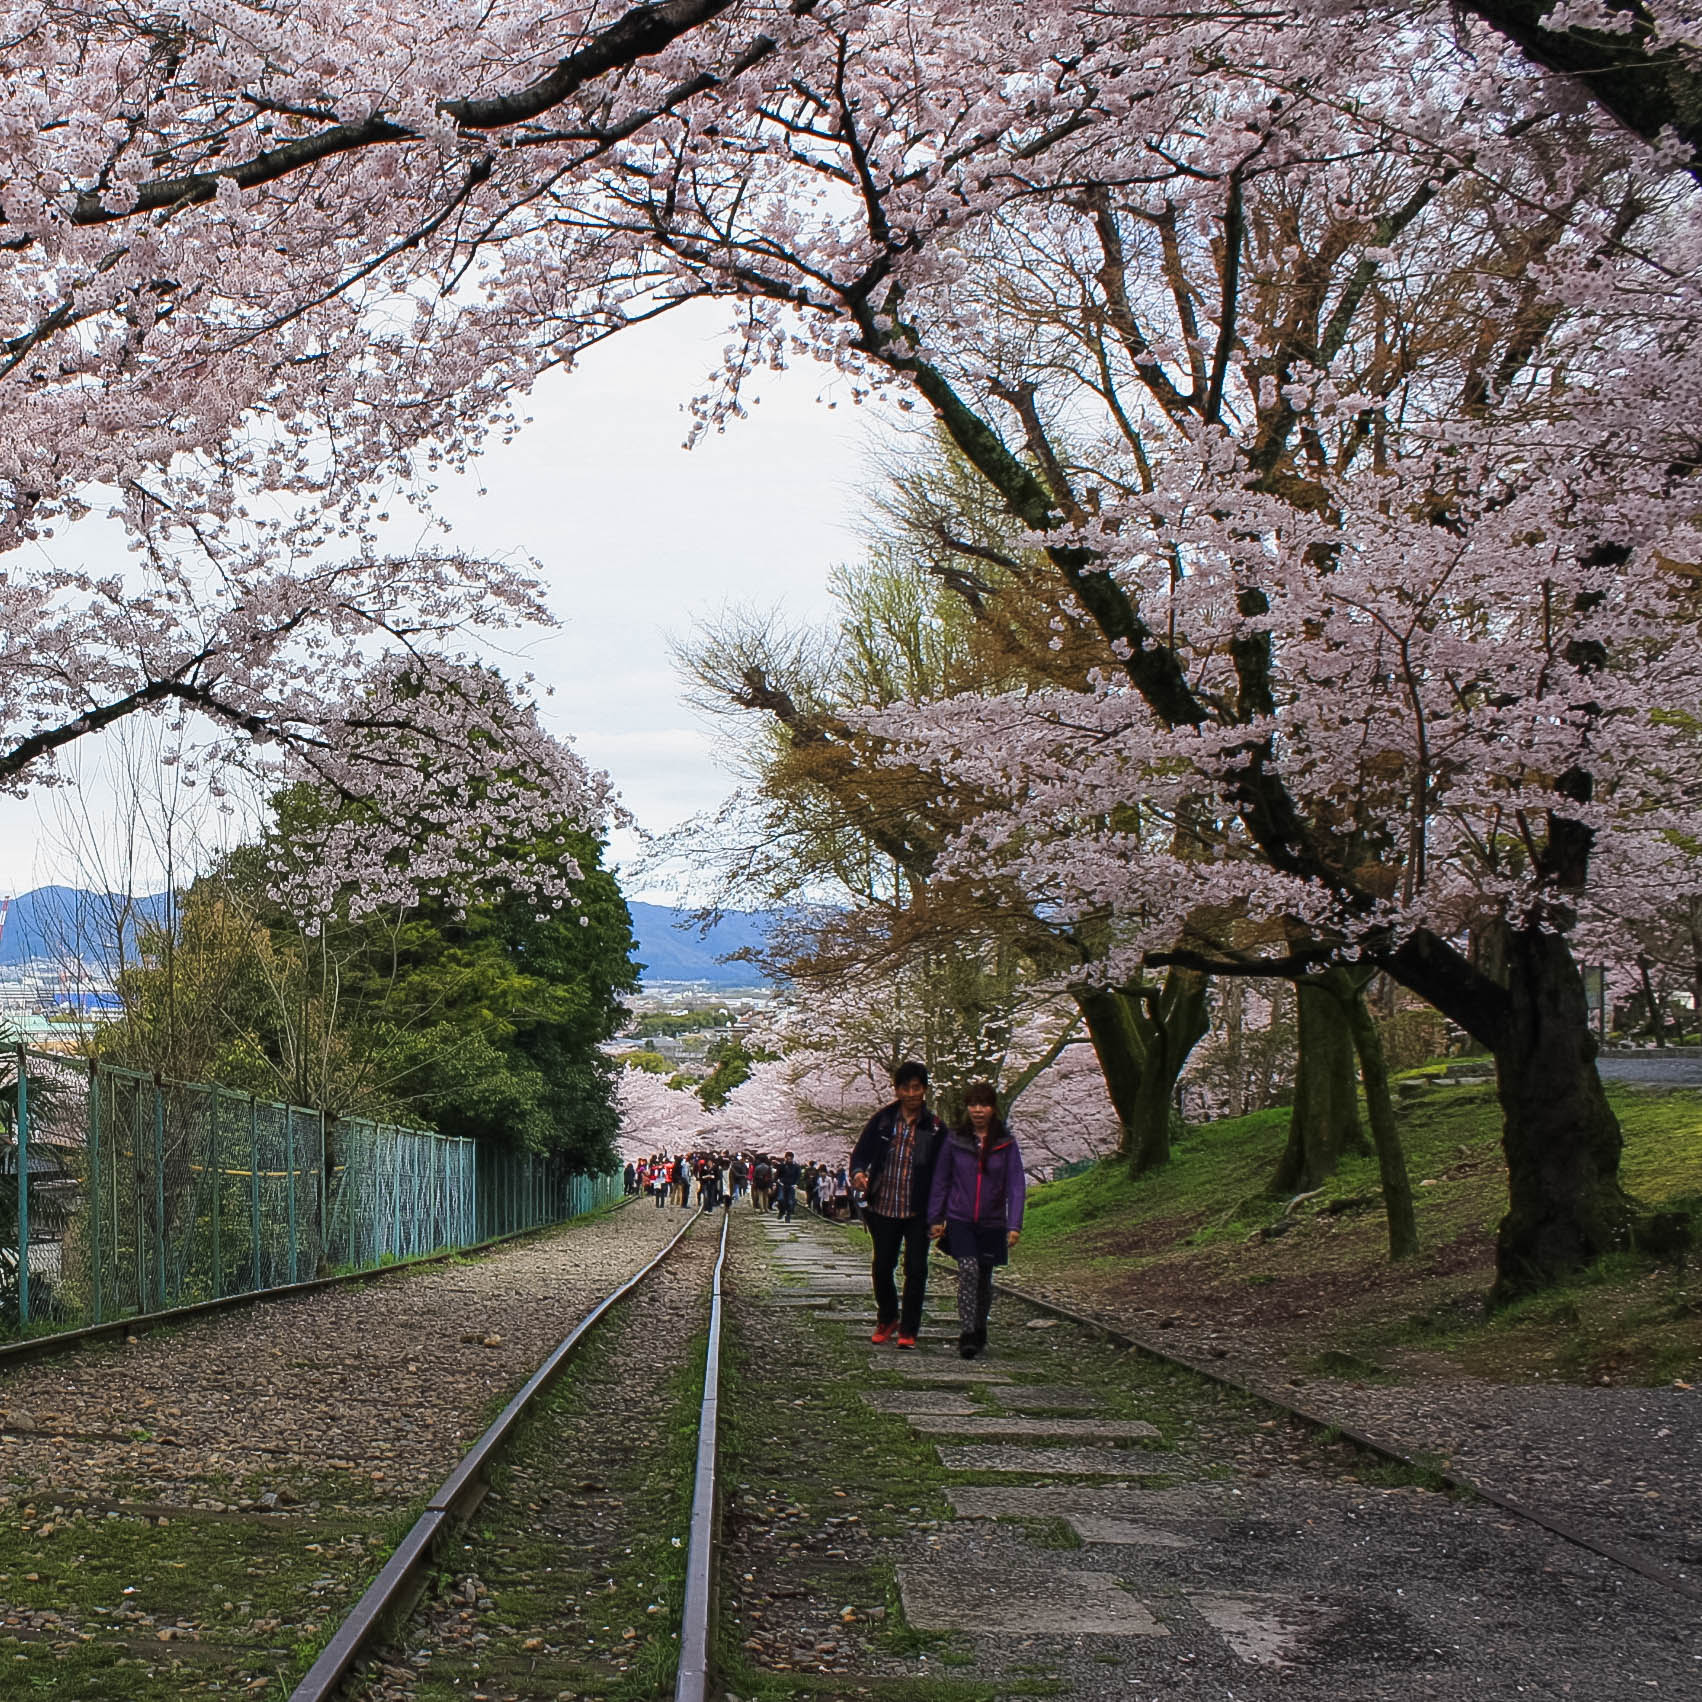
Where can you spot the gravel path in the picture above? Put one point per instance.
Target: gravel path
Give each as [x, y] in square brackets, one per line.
[230, 1486]
[1624, 1464]
[1652, 1070]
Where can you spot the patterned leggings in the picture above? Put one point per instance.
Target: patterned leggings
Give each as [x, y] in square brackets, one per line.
[974, 1294]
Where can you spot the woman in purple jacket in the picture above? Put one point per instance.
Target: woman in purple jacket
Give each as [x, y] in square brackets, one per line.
[975, 1205]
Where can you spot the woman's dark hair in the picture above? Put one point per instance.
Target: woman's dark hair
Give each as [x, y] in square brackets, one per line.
[982, 1093]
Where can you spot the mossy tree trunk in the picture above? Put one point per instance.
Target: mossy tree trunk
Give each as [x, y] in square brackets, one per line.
[1325, 1119]
[1385, 1133]
[1175, 1018]
[1114, 1028]
[1566, 1207]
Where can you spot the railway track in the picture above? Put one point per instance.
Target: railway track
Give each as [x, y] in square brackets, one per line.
[1065, 1516]
[535, 1585]
[187, 1515]
[572, 1549]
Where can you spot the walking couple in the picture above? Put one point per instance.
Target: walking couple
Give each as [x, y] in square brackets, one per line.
[963, 1188]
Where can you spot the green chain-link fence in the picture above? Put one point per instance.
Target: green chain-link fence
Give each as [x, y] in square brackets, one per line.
[121, 1193]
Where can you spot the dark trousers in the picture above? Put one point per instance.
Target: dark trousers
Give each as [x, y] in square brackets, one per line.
[788, 1200]
[889, 1234]
[974, 1298]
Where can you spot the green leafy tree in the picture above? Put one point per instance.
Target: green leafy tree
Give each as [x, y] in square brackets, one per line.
[488, 1022]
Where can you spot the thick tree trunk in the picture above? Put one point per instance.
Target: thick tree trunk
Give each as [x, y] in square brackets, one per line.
[1118, 1044]
[1385, 1135]
[1656, 1026]
[1565, 1205]
[1177, 1018]
[1325, 1121]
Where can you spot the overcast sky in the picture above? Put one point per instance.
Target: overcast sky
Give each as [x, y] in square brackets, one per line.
[636, 537]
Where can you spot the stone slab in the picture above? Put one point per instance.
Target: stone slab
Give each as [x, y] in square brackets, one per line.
[920, 1368]
[1050, 1462]
[1064, 1603]
[1100, 1527]
[1262, 1631]
[1073, 1429]
[931, 1308]
[1047, 1397]
[941, 1401]
[1067, 1500]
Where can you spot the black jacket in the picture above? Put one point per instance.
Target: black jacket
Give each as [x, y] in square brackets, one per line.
[875, 1142]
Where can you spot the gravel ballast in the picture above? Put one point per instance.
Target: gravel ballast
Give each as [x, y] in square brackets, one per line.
[191, 1513]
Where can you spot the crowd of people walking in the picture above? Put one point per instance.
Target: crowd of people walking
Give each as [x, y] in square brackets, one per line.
[911, 1180]
[773, 1183]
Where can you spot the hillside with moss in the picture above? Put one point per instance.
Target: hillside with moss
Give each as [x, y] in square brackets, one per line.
[1202, 1245]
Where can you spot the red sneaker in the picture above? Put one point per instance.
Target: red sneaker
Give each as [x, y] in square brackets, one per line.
[882, 1332]
[906, 1341]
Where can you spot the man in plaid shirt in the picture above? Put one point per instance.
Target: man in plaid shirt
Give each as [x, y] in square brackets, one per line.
[893, 1162]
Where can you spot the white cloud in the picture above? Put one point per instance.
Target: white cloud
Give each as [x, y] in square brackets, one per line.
[635, 538]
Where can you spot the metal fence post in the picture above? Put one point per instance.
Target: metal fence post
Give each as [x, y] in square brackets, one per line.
[216, 1170]
[289, 1170]
[396, 1172]
[23, 1186]
[94, 1181]
[159, 1192]
[254, 1189]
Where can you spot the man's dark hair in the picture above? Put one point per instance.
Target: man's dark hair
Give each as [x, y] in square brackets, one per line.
[912, 1071]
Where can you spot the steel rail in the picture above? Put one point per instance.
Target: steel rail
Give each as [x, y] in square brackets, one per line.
[1446, 1476]
[140, 1323]
[691, 1683]
[459, 1494]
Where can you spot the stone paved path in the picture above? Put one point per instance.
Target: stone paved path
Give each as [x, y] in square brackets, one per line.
[1121, 1530]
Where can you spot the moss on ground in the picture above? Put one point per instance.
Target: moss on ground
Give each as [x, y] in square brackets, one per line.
[1205, 1239]
[116, 1605]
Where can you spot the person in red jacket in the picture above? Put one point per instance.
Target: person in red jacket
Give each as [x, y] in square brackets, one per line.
[975, 1208]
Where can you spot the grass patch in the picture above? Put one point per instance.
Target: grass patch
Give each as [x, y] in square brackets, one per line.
[1204, 1241]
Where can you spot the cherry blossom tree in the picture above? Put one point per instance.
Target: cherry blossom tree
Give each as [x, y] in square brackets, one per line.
[1372, 610]
[317, 253]
[657, 1118]
[780, 1109]
[946, 604]
[245, 307]
[1065, 1114]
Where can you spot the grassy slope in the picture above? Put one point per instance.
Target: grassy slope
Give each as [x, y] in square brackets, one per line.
[1186, 1243]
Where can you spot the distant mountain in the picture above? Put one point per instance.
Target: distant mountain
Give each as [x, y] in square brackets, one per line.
[59, 922]
[63, 921]
[670, 948]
